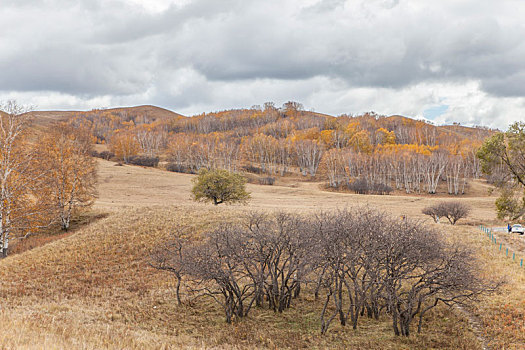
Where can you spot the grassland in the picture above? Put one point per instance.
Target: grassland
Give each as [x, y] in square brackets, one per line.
[93, 288]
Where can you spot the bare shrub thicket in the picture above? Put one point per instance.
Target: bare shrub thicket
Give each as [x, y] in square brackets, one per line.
[362, 186]
[452, 211]
[267, 180]
[106, 155]
[144, 161]
[361, 261]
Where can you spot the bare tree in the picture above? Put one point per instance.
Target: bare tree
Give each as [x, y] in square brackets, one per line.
[454, 211]
[170, 257]
[379, 262]
[215, 270]
[363, 261]
[289, 262]
[309, 154]
[434, 211]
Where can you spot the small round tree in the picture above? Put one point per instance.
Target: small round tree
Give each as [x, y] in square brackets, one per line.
[219, 186]
[451, 210]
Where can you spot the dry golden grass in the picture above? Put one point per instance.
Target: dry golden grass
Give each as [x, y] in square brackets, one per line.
[503, 314]
[93, 289]
[142, 187]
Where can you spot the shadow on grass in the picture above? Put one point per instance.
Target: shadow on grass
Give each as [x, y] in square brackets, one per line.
[53, 233]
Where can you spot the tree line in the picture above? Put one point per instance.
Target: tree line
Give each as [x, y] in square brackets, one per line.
[378, 151]
[45, 177]
[353, 263]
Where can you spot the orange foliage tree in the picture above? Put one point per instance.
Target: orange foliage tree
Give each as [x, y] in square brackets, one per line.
[124, 145]
[21, 213]
[71, 172]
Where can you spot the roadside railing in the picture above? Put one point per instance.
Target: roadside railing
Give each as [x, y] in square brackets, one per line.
[489, 232]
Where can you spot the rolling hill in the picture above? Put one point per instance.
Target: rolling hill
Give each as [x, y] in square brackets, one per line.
[48, 117]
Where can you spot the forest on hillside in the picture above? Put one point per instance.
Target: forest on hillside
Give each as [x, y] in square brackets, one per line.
[366, 153]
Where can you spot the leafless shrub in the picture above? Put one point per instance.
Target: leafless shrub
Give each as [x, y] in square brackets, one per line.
[267, 180]
[252, 169]
[239, 265]
[179, 168]
[362, 186]
[143, 161]
[171, 257]
[375, 262]
[290, 262]
[433, 211]
[362, 260]
[107, 155]
[452, 210]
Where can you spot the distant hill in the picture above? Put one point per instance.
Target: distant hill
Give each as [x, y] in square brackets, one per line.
[276, 122]
[43, 118]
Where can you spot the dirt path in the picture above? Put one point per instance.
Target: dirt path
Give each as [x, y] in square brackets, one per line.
[476, 325]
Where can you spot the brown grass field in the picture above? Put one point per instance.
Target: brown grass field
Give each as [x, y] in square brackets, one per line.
[92, 288]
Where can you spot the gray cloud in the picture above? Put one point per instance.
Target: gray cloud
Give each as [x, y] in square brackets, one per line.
[340, 56]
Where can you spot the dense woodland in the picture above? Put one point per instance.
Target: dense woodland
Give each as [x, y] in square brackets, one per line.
[366, 153]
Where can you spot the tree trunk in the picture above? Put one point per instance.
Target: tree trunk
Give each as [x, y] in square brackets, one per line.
[179, 302]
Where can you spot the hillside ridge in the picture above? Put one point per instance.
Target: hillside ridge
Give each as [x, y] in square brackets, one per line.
[50, 116]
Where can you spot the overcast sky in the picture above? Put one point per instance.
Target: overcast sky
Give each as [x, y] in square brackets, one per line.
[446, 60]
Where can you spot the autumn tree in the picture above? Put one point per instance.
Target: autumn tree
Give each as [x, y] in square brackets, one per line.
[124, 145]
[388, 152]
[507, 150]
[219, 186]
[292, 108]
[334, 162]
[20, 212]
[65, 153]
[308, 154]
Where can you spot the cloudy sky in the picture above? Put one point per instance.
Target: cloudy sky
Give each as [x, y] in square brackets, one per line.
[446, 60]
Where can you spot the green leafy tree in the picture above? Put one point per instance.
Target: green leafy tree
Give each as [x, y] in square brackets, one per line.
[505, 153]
[509, 204]
[219, 186]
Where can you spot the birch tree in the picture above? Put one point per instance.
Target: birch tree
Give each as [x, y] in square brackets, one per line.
[17, 212]
[71, 171]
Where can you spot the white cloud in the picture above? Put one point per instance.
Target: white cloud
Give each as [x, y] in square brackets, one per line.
[336, 56]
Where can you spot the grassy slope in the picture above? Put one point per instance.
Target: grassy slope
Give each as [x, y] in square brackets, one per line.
[503, 315]
[45, 118]
[94, 289]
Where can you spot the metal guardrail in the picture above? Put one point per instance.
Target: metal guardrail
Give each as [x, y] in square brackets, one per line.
[489, 232]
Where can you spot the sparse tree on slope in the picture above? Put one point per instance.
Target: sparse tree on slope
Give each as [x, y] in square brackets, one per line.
[219, 186]
[72, 174]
